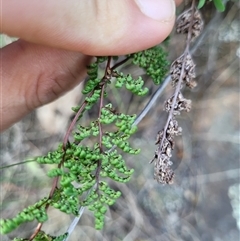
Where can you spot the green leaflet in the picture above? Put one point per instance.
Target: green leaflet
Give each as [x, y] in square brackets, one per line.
[84, 166]
[201, 3]
[153, 61]
[217, 3]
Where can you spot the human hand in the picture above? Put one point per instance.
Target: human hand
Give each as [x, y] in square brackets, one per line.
[58, 38]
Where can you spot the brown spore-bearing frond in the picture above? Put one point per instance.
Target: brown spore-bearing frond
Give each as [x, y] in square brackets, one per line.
[183, 23]
[181, 104]
[188, 74]
[182, 73]
[173, 128]
[163, 172]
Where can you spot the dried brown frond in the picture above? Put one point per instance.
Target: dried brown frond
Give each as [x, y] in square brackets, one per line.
[183, 23]
[181, 104]
[188, 74]
[182, 74]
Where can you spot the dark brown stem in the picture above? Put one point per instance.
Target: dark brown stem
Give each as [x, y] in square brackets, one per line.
[54, 186]
[120, 63]
[178, 87]
[37, 230]
[100, 137]
[73, 123]
[107, 77]
[99, 116]
[65, 141]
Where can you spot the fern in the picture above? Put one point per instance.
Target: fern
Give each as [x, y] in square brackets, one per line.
[81, 171]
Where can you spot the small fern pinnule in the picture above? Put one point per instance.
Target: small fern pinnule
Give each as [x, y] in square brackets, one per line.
[92, 153]
[182, 73]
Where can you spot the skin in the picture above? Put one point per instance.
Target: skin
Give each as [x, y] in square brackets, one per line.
[57, 40]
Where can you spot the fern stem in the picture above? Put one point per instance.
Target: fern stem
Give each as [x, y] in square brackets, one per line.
[120, 63]
[179, 84]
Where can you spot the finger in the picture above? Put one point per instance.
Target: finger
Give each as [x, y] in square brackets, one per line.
[34, 75]
[93, 27]
[178, 2]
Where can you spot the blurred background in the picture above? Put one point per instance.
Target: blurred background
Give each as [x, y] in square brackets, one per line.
[202, 204]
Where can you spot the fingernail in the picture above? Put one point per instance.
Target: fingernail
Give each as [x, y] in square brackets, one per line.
[161, 10]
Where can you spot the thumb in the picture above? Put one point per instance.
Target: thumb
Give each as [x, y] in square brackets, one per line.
[93, 27]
